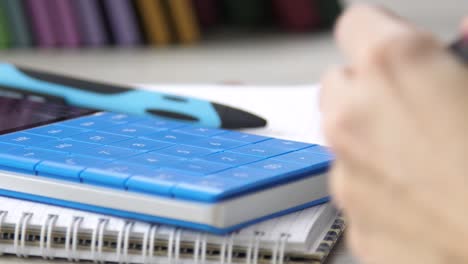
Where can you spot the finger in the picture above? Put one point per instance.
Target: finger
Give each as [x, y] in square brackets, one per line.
[345, 112]
[364, 29]
[384, 247]
[464, 27]
[334, 83]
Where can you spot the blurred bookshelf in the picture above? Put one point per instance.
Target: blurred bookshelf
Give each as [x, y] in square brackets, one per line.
[86, 24]
[252, 41]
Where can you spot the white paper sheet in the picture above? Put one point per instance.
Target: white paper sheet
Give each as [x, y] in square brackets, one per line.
[292, 111]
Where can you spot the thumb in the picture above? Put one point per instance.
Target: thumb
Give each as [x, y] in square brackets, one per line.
[464, 27]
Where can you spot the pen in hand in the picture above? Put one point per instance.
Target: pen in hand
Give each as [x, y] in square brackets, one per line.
[460, 48]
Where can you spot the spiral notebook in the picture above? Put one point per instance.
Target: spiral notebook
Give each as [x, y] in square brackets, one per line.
[33, 229]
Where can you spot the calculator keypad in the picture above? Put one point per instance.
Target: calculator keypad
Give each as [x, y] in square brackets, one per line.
[159, 157]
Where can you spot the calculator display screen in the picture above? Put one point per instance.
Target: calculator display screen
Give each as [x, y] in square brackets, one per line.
[19, 114]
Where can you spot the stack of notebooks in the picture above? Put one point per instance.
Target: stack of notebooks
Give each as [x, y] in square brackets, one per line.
[94, 23]
[305, 236]
[30, 229]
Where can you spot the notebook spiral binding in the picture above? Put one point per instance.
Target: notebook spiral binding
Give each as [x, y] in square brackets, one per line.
[150, 236]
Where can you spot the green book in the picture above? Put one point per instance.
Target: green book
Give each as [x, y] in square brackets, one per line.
[20, 33]
[4, 30]
[329, 10]
[247, 13]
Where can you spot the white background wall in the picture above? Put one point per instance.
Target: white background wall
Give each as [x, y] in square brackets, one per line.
[440, 16]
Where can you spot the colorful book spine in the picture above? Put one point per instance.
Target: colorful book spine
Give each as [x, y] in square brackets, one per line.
[64, 23]
[4, 31]
[184, 21]
[155, 22]
[41, 23]
[123, 22]
[297, 15]
[19, 27]
[90, 23]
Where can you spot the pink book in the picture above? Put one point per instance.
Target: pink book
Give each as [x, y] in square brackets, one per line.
[297, 15]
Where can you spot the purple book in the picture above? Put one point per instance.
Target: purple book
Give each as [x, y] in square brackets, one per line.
[122, 21]
[64, 23]
[41, 23]
[90, 22]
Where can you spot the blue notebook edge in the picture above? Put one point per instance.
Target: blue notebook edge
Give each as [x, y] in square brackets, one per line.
[155, 219]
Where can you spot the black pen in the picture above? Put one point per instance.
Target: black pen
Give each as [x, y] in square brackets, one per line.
[460, 48]
[115, 98]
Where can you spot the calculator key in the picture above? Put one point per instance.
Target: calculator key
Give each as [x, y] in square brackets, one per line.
[319, 150]
[24, 139]
[200, 167]
[67, 167]
[113, 174]
[185, 151]
[159, 182]
[246, 175]
[173, 137]
[141, 144]
[243, 137]
[206, 189]
[99, 137]
[5, 147]
[153, 159]
[200, 131]
[216, 143]
[117, 118]
[259, 151]
[282, 169]
[231, 158]
[91, 122]
[286, 145]
[159, 124]
[108, 152]
[130, 130]
[56, 131]
[67, 145]
[305, 157]
[24, 159]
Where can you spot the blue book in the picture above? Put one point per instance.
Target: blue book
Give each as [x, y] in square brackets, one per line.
[123, 22]
[90, 22]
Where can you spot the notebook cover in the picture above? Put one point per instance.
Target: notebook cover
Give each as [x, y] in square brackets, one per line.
[297, 15]
[154, 21]
[20, 32]
[90, 23]
[4, 29]
[184, 20]
[207, 12]
[123, 22]
[41, 25]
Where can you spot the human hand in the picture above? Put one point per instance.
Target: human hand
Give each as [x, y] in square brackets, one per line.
[396, 119]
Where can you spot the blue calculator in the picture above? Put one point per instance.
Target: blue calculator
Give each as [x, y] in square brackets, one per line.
[153, 169]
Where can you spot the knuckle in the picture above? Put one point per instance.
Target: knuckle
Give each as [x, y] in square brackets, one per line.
[403, 45]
